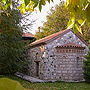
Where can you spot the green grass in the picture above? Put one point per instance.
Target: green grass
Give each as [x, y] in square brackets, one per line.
[51, 86]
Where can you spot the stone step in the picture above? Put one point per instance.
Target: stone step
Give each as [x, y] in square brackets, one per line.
[28, 78]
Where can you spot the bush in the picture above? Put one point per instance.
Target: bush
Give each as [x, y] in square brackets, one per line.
[86, 67]
[11, 45]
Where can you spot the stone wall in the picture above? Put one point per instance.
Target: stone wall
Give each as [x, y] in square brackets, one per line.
[69, 62]
[36, 54]
[47, 56]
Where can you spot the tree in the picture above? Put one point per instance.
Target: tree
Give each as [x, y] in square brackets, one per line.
[86, 67]
[11, 46]
[85, 33]
[26, 5]
[75, 7]
[55, 23]
[57, 20]
[80, 8]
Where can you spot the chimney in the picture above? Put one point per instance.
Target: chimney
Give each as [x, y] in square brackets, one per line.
[38, 29]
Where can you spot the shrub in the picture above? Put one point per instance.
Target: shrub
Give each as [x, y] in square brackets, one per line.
[86, 67]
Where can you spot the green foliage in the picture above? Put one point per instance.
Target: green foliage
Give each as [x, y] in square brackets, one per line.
[85, 33]
[75, 7]
[8, 84]
[39, 35]
[11, 45]
[26, 2]
[80, 8]
[57, 20]
[86, 67]
[26, 5]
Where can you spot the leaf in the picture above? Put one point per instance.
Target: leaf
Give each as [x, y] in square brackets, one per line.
[9, 84]
[71, 21]
[83, 22]
[74, 29]
[43, 2]
[22, 11]
[40, 6]
[6, 6]
[35, 5]
[81, 2]
[19, 7]
[88, 13]
[78, 28]
[73, 2]
[26, 2]
[3, 0]
[66, 3]
[8, 1]
[21, 0]
[71, 9]
[80, 20]
[35, 1]
[26, 9]
[70, 24]
[48, 1]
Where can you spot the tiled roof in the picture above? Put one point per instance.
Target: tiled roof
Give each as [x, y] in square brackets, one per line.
[54, 36]
[43, 40]
[70, 44]
[27, 35]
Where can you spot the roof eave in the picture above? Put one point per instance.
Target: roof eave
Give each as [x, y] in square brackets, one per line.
[38, 44]
[70, 47]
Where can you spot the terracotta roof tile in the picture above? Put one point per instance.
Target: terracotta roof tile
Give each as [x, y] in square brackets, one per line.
[54, 36]
[43, 40]
[27, 35]
[71, 45]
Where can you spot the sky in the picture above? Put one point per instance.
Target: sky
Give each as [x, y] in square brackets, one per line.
[41, 16]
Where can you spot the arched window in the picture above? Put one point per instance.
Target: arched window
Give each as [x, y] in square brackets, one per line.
[77, 62]
[63, 59]
[36, 56]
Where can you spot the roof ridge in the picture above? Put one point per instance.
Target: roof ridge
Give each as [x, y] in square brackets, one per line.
[27, 35]
[48, 37]
[52, 37]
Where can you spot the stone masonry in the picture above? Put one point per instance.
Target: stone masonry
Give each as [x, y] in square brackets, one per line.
[57, 63]
[69, 62]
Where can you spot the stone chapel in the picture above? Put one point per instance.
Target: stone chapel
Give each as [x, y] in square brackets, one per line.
[58, 57]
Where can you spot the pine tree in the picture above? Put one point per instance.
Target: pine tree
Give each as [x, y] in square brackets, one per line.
[86, 67]
[12, 48]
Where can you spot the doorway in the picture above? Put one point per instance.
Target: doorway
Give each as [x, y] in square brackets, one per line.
[37, 69]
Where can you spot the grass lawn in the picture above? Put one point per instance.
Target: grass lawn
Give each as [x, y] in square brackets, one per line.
[51, 86]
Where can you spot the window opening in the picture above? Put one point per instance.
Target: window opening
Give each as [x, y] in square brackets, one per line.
[77, 62]
[36, 56]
